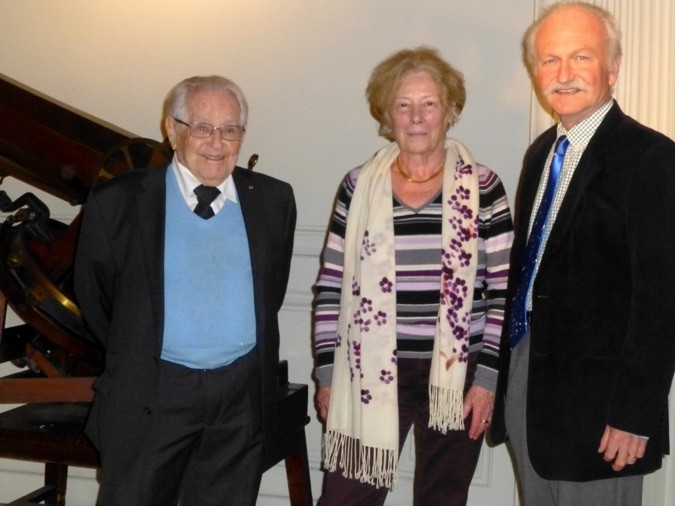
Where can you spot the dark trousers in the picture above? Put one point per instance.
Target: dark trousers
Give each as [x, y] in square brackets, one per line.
[204, 445]
[444, 463]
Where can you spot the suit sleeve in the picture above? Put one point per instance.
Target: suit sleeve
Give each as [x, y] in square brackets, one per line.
[639, 400]
[291, 218]
[93, 275]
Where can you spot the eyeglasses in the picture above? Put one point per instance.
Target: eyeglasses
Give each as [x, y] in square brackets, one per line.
[204, 130]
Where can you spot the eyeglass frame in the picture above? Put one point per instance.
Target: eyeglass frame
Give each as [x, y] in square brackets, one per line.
[213, 128]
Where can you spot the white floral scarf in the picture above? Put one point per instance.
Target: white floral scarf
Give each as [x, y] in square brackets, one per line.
[362, 426]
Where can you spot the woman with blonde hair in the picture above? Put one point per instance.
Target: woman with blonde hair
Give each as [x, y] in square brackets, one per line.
[410, 297]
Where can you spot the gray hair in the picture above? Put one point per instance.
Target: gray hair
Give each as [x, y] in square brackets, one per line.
[612, 30]
[175, 104]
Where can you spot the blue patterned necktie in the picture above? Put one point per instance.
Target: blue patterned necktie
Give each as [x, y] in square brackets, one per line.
[205, 195]
[518, 318]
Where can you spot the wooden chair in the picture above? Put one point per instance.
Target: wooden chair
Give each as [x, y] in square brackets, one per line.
[48, 427]
[52, 433]
[49, 433]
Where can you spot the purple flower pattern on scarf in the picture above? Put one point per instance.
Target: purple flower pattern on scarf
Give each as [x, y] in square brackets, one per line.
[361, 316]
[367, 247]
[454, 290]
[386, 285]
[356, 346]
[365, 316]
[386, 376]
[380, 318]
[354, 357]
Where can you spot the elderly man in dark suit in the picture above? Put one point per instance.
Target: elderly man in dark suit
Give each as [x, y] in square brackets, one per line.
[180, 273]
[588, 360]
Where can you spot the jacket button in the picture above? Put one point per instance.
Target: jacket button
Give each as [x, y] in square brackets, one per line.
[147, 410]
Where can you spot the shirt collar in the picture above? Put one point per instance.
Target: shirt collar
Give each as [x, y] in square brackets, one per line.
[187, 182]
[581, 133]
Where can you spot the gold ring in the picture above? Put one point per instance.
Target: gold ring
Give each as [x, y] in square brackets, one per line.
[485, 421]
[631, 455]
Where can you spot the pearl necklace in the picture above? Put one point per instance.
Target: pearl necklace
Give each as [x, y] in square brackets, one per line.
[405, 175]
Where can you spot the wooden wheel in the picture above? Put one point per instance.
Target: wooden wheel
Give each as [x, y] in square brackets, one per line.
[133, 154]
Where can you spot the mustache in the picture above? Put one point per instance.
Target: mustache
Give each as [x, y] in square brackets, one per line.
[556, 87]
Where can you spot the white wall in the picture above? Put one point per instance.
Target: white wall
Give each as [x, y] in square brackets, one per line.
[303, 65]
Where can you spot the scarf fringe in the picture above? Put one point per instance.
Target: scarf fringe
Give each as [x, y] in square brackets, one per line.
[446, 409]
[375, 466]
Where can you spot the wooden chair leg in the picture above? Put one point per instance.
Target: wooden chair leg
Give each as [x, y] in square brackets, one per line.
[53, 492]
[56, 475]
[297, 473]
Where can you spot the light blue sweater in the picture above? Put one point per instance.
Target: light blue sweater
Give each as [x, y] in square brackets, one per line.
[209, 316]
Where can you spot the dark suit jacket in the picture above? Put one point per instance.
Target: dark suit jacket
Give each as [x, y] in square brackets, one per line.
[602, 340]
[119, 286]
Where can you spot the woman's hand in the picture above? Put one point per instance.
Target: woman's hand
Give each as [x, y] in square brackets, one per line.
[479, 403]
[322, 402]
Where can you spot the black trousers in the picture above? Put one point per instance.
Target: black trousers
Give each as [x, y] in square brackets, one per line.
[204, 446]
[444, 463]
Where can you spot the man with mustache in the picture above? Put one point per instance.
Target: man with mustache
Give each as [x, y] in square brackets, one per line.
[589, 351]
[180, 273]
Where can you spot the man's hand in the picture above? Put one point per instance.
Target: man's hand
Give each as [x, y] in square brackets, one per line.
[479, 402]
[621, 448]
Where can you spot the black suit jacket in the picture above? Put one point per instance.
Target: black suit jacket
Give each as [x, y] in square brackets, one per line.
[602, 337]
[119, 286]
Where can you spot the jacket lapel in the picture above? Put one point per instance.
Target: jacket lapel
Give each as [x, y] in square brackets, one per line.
[535, 160]
[247, 193]
[151, 211]
[584, 174]
[531, 178]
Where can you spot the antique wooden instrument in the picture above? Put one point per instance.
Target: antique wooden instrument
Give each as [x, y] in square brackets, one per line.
[64, 153]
